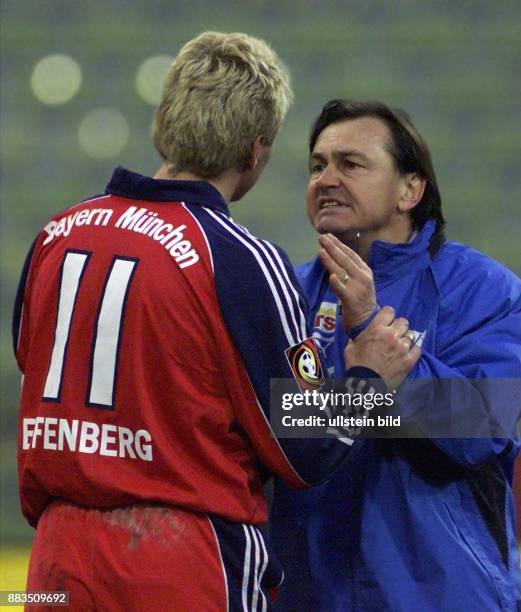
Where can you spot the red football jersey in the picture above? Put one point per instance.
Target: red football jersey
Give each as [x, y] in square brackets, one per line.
[133, 386]
[148, 325]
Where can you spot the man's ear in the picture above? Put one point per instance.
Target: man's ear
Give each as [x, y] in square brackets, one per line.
[414, 187]
[255, 152]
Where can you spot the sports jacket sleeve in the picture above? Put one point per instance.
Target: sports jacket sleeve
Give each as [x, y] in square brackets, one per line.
[479, 350]
[265, 313]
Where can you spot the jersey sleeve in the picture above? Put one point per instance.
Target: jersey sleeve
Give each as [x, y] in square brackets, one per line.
[266, 313]
[18, 321]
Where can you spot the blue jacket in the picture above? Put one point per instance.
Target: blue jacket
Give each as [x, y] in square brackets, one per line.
[408, 524]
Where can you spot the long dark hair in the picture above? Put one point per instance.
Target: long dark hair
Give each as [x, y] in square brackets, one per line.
[408, 149]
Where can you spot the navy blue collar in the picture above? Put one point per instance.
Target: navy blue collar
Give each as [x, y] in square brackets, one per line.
[138, 187]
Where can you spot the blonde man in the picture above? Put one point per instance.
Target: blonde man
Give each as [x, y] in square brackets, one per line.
[148, 325]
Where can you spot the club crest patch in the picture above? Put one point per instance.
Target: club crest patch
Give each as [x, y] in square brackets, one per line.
[305, 364]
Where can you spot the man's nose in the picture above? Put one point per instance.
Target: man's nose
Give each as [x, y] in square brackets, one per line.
[328, 177]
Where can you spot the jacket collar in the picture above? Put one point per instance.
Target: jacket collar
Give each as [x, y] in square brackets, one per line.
[389, 262]
[138, 187]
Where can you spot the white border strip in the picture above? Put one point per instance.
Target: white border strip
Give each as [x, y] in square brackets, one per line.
[256, 580]
[91, 200]
[246, 570]
[183, 204]
[262, 570]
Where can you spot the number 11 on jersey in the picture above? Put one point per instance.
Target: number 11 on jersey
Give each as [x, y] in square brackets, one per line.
[107, 329]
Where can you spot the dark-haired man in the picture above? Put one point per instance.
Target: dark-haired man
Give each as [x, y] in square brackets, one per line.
[426, 524]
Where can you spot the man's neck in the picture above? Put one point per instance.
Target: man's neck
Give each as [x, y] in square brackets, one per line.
[361, 242]
[225, 184]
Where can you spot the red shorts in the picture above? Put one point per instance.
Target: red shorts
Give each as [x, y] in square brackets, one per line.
[153, 558]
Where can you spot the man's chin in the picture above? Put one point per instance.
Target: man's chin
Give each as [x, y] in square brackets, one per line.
[340, 231]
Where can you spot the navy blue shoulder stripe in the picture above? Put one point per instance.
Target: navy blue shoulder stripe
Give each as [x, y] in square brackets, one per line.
[283, 269]
[276, 274]
[19, 299]
[263, 320]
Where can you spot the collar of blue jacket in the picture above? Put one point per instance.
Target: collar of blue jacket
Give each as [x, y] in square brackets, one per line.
[138, 187]
[387, 261]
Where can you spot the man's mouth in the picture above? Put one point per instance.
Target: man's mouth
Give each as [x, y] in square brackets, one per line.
[325, 204]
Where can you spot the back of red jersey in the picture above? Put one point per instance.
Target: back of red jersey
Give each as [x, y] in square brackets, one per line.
[123, 397]
[148, 325]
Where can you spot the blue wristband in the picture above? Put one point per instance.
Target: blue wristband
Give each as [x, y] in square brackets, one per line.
[353, 333]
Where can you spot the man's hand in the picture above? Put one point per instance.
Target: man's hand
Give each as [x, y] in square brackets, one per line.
[350, 278]
[385, 348]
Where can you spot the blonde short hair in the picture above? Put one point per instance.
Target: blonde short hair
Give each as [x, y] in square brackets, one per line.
[221, 92]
